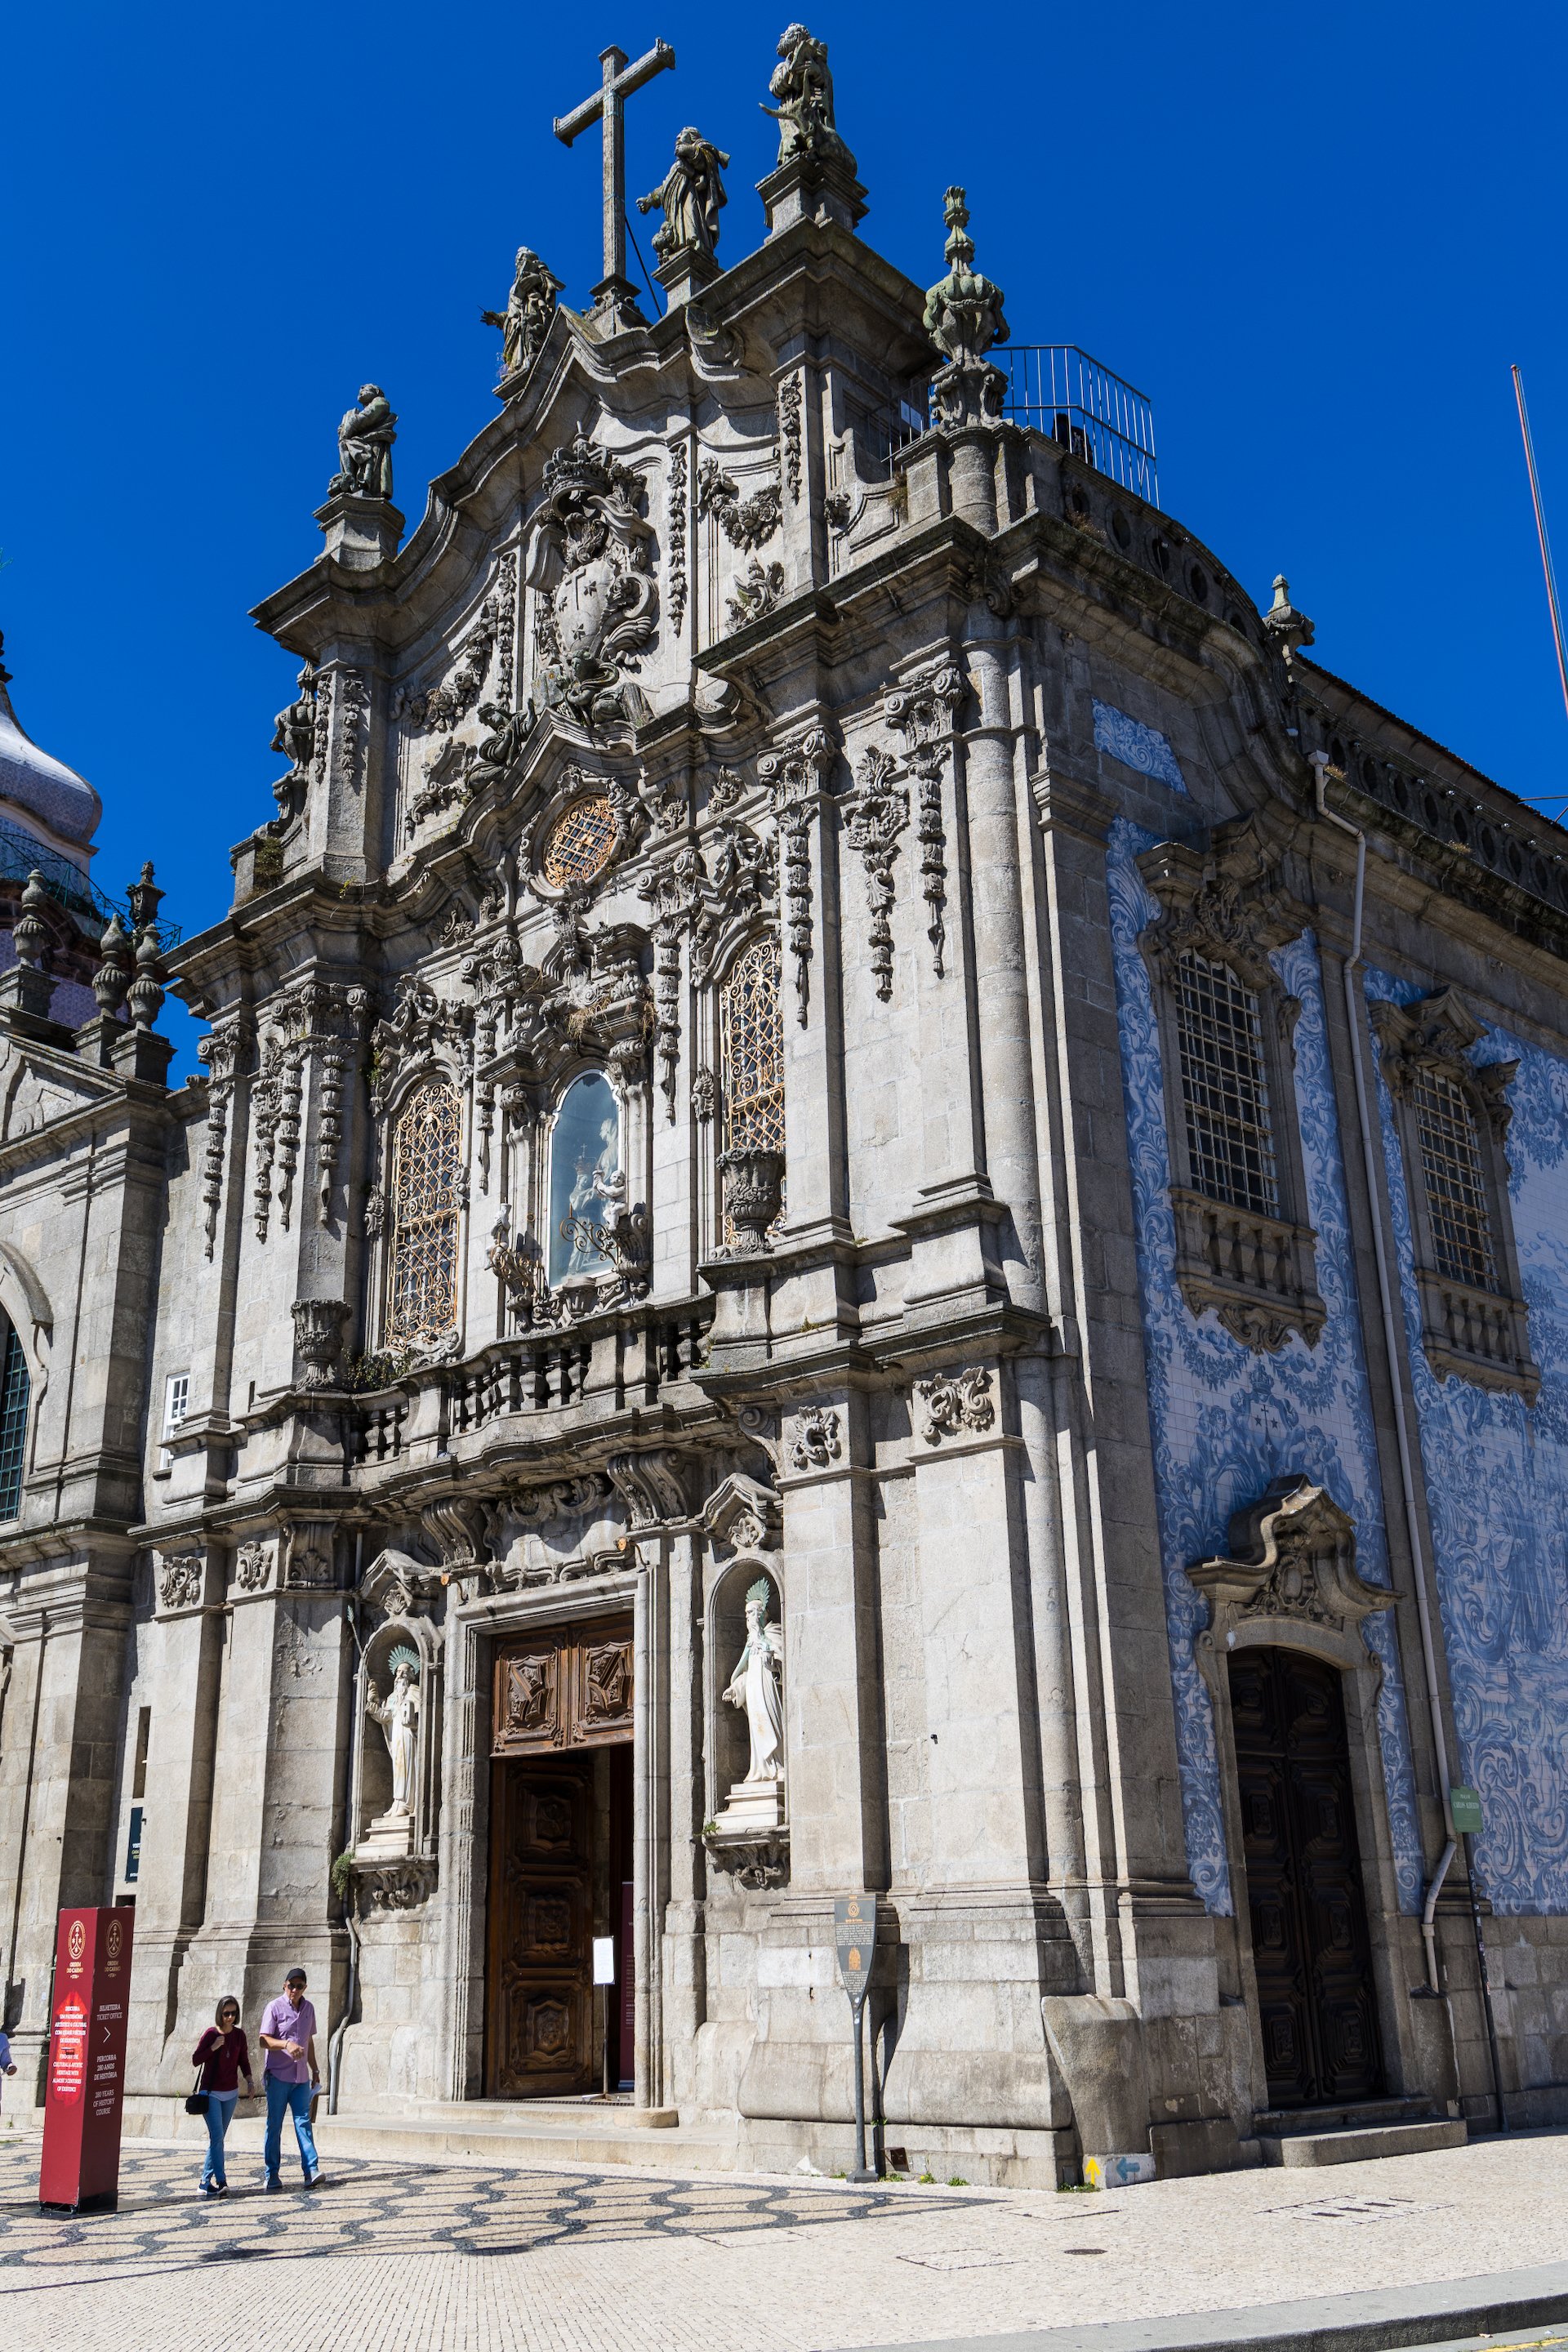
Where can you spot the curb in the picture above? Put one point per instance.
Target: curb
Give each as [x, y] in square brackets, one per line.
[1383, 2319]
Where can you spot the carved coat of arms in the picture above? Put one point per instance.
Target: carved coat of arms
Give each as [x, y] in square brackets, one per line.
[590, 554]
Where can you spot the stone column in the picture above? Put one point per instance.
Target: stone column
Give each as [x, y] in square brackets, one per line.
[650, 1817]
[813, 1012]
[685, 1949]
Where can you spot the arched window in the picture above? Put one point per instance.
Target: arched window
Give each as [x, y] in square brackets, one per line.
[14, 1389]
[425, 1199]
[587, 1183]
[750, 1024]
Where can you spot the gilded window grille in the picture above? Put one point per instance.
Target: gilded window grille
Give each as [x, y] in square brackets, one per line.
[750, 1015]
[1456, 1183]
[580, 841]
[1225, 1090]
[425, 1205]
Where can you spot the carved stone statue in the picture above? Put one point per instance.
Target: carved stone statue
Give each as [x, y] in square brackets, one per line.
[295, 735]
[530, 307]
[755, 1685]
[692, 194]
[964, 310]
[398, 1715]
[804, 87]
[364, 446]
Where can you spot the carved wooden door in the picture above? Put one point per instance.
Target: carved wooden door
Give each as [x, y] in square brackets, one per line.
[541, 2039]
[1309, 1939]
[566, 1688]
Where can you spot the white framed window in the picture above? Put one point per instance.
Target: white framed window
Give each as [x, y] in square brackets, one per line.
[176, 1400]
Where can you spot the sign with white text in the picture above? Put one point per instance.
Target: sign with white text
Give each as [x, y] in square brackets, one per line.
[84, 2082]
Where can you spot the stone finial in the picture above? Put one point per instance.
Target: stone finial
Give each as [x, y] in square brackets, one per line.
[1289, 629]
[364, 447]
[146, 994]
[5, 673]
[964, 310]
[144, 899]
[30, 932]
[112, 978]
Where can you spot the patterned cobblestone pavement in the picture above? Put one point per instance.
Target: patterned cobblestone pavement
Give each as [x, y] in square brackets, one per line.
[474, 2259]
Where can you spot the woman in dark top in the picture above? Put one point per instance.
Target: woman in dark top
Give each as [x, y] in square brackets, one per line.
[223, 2053]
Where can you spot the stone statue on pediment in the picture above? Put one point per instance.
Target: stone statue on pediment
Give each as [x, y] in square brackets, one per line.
[691, 194]
[364, 447]
[530, 307]
[802, 86]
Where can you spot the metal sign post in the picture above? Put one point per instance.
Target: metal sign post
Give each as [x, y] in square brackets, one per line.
[854, 1936]
[1465, 1812]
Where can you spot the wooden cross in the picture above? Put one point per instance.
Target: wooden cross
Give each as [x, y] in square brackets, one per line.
[605, 106]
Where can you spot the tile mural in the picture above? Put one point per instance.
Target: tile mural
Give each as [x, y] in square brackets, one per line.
[1226, 1420]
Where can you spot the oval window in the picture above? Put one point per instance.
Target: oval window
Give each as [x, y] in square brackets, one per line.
[579, 844]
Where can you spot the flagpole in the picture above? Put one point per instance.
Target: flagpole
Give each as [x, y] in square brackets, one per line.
[1540, 534]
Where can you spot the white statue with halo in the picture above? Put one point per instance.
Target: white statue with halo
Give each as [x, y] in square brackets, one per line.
[398, 1715]
[757, 1801]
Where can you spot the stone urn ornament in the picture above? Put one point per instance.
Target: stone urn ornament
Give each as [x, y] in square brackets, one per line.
[754, 1195]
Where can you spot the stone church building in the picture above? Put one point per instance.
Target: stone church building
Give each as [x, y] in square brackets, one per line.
[879, 1205]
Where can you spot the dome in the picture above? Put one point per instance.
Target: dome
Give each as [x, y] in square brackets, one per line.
[59, 802]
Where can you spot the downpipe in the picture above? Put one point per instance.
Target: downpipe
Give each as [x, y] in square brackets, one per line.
[1354, 1014]
[335, 2047]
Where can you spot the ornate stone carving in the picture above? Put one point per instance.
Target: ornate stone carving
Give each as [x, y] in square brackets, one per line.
[747, 523]
[796, 780]
[223, 1053]
[456, 1526]
[878, 813]
[790, 436]
[253, 1567]
[589, 559]
[704, 1093]
[396, 1886]
[744, 1513]
[1293, 1564]
[802, 88]
[923, 712]
[758, 1859]
[724, 792]
[294, 734]
[527, 320]
[364, 447]
[422, 1028]
[675, 534]
[112, 978]
[652, 1485]
[964, 310]
[318, 1340]
[1229, 905]
[754, 1195]
[180, 1580]
[755, 593]
[1288, 629]
[439, 707]
[814, 1441]
[950, 1403]
[690, 196]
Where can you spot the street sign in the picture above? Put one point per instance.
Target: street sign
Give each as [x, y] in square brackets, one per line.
[85, 2081]
[855, 1940]
[1465, 1808]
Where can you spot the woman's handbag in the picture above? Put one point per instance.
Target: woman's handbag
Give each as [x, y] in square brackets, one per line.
[196, 2103]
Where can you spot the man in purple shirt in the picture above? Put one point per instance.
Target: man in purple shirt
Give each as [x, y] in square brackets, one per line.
[290, 2076]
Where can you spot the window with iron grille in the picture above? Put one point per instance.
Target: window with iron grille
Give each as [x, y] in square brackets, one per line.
[1454, 1180]
[14, 1394]
[426, 1201]
[1225, 1090]
[752, 1038]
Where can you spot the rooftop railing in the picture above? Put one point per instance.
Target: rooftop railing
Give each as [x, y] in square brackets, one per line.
[1059, 390]
[22, 853]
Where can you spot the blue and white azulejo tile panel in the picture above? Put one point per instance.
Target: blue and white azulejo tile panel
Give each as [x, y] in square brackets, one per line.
[1495, 1474]
[1225, 1419]
[1137, 746]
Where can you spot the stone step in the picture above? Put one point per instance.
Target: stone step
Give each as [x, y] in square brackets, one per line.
[1279, 2121]
[1358, 2144]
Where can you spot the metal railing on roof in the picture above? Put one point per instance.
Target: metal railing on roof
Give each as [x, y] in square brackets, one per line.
[1059, 390]
[22, 853]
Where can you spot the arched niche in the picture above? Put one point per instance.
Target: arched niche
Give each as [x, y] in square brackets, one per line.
[382, 1838]
[585, 1177]
[729, 1739]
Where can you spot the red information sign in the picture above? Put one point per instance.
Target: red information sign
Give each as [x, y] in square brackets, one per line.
[85, 2084]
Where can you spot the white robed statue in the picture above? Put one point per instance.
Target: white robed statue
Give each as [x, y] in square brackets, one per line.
[398, 1715]
[755, 1685]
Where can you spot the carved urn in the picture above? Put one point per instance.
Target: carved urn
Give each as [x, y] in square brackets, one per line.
[318, 1337]
[754, 1194]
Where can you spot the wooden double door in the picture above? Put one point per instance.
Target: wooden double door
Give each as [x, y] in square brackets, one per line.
[561, 1847]
[1309, 1942]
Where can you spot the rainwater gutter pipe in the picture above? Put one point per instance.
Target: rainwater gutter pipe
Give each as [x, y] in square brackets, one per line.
[335, 2047]
[1354, 1012]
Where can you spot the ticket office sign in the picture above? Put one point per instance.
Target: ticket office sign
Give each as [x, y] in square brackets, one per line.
[84, 2087]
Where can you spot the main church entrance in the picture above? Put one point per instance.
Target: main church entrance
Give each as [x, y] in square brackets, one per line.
[1310, 1941]
[560, 1864]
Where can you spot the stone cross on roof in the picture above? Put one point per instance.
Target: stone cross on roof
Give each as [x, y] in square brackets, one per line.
[605, 106]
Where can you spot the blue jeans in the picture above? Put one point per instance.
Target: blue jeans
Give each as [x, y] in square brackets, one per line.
[220, 2114]
[296, 2098]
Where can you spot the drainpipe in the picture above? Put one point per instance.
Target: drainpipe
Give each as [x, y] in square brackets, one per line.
[335, 2047]
[1354, 1012]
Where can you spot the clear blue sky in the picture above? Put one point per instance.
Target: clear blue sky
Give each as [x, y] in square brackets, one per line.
[1317, 237]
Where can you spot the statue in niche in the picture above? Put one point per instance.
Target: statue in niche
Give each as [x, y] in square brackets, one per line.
[755, 1685]
[530, 307]
[398, 1715]
[692, 194]
[804, 87]
[364, 447]
[597, 1198]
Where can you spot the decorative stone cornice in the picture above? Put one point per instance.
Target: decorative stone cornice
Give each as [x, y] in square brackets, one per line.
[1291, 1578]
[1226, 904]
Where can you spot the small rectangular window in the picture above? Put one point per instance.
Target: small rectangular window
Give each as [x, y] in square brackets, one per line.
[176, 1397]
[139, 1763]
[1454, 1180]
[1224, 1090]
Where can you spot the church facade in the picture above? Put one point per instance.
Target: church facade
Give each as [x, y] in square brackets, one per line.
[878, 1207]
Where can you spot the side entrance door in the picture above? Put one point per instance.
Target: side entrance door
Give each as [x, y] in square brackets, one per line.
[1310, 1941]
[560, 1828]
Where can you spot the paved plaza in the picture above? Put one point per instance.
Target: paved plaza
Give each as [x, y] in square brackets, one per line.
[477, 2259]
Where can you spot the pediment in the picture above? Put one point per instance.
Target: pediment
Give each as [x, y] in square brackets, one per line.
[38, 1089]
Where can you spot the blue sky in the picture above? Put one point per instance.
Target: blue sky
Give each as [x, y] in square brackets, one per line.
[1316, 237]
